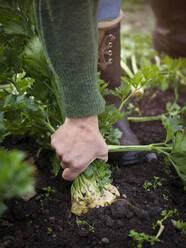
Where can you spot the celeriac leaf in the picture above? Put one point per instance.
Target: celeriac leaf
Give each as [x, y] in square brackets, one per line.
[179, 144]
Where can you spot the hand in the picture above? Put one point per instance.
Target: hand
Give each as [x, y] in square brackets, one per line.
[77, 143]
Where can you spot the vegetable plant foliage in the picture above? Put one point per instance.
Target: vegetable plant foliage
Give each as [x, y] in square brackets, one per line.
[15, 176]
[30, 102]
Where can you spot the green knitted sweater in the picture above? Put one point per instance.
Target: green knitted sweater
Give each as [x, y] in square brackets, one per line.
[68, 30]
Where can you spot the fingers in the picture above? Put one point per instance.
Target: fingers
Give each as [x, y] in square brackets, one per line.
[70, 174]
[103, 157]
[63, 165]
[73, 168]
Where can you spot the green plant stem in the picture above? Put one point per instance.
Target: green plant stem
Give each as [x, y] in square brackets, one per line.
[48, 126]
[5, 91]
[183, 110]
[176, 168]
[134, 64]
[159, 144]
[128, 97]
[15, 85]
[161, 229]
[144, 119]
[124, 101]
[181, 75]
[126, 69]
[116, 148]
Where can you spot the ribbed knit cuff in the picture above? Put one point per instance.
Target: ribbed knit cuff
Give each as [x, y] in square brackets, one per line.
[88, 101]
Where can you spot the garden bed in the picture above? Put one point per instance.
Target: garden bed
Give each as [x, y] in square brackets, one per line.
[46, 221]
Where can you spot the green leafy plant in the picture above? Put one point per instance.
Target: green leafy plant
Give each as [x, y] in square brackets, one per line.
[165, 197]
[174, 147]
[166, 214]
[173, 109]
[49, 230]
[42, 203]
[81, 223]
[46, 195]
[156, 183]
[147, 186]
[140, 238]
[180, 225]
[17, 27]
[27, 85]
[138, 53]
[30, 102]
[47, 191]
[15, 176]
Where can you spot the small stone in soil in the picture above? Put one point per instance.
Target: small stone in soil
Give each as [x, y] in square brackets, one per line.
[151, 156]
[124, 196]
[105, 240]
[52, 219]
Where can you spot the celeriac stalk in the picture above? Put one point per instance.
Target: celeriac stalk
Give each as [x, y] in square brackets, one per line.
[147, 148]
[145, 118]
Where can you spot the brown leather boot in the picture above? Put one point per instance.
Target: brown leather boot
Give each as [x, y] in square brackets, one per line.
[109, 66]
[170, 28]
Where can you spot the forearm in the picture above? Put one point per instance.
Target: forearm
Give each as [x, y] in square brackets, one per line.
[68, 30]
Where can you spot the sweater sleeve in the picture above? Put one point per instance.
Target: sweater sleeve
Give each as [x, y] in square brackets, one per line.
[68, 30]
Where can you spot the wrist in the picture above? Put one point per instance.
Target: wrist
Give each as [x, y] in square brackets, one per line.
[91, 122]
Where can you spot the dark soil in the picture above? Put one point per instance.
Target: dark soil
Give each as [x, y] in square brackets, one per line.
[45, 222]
